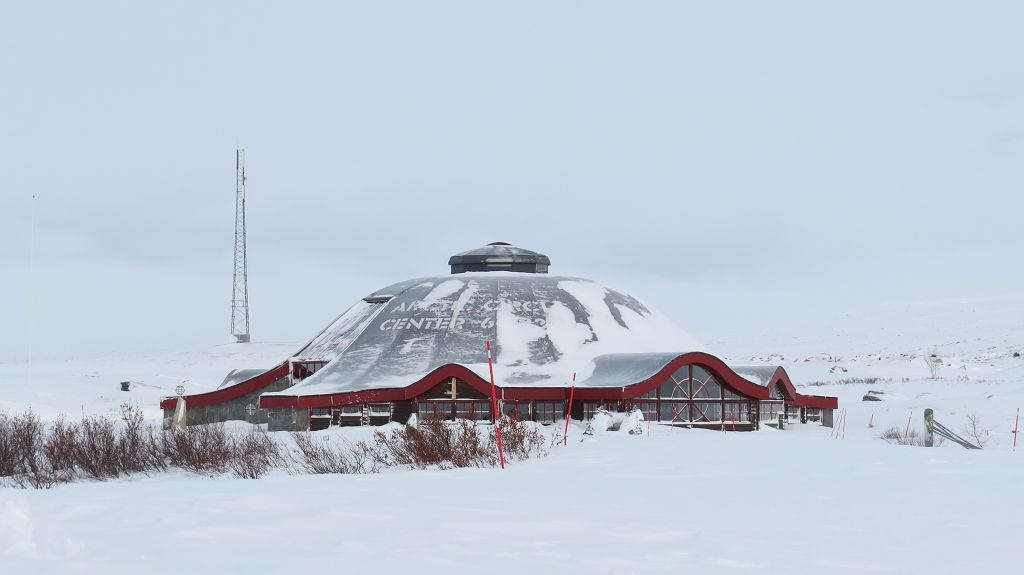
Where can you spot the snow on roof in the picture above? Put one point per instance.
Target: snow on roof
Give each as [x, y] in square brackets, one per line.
[236, 376]
[542, 327]
[759, 374]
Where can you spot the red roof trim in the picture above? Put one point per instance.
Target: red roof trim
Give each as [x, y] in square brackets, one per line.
[716, 366]
[250, 385]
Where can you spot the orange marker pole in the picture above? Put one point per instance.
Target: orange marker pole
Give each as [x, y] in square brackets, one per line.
[906, 434]
[568, 414]
[494, 406]
[1016, 427]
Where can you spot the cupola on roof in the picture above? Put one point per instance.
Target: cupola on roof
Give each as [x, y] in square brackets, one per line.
[499, 257]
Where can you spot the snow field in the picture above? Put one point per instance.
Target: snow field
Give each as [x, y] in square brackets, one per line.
[795, 501]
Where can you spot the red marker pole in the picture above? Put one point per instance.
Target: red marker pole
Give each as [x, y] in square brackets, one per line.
[906, 434]
[494, 406]
[1016, 427]
[568, 414]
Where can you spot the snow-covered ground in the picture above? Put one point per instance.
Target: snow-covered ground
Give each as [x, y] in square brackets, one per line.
[675, 501]
[92, 385]
[793, 501]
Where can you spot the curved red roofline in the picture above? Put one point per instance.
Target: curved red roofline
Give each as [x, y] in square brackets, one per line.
[250, 385]
[713, 364]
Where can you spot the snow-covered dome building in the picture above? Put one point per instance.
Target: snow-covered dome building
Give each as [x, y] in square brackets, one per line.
[419, 346]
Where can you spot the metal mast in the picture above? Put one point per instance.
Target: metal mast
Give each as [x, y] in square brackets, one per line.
[240, 288]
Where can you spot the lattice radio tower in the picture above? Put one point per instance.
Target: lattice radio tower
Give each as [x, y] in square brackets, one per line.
[240, 288]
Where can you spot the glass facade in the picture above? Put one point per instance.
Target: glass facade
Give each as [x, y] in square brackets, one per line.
[694, 395]
[548, 411]
[691, 395]
[516, 409]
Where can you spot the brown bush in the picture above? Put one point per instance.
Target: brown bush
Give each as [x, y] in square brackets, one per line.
[898, 436]
[254, 454]
[60, 448]
[198, 448]
[320, 456]
[9, 457]
[520, 440]
[136, 443]
[436, 442]
[21, 456]
[102, 447]
[96, 451]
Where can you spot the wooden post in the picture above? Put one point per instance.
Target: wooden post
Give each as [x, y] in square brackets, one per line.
[929, 428]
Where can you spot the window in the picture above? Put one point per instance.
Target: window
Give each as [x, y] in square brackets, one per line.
[675, 411]
[737, 412]
[434, 409]
[707, 411]
[652, 394]
[648, 408]
[475, 410]
[516, 409]
[730, 394]
[704, 385]
[678, 385]
[770, 410]
[548, 411]
[454, 398]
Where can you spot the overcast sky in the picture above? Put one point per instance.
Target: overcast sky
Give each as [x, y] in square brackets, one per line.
[730, 163]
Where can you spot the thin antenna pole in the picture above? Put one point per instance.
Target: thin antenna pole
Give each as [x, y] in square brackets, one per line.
[31, 287]
[240, 283]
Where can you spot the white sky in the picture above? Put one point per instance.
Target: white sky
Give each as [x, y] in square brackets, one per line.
[731, 163]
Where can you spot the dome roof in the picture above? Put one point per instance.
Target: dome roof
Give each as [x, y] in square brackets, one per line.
[543, 328]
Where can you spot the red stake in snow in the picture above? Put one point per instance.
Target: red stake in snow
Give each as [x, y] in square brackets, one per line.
[494, 406]
[906, 434]
[568, 414]
[1016, 427]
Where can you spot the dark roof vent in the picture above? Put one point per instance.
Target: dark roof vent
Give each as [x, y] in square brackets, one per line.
[499, 257]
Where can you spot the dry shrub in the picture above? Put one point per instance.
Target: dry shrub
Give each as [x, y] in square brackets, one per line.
[323, 457]
[60, 448]
[97, 452]
[435, 442]
[198, 448]
[21, 456]
[976, 431]
[137, 450]
[521, 440]
[898, 436]
[103, 447]
[254, 454]
[461, 443]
